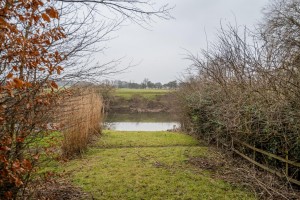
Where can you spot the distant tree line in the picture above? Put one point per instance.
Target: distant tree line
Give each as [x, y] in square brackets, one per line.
[146, 83]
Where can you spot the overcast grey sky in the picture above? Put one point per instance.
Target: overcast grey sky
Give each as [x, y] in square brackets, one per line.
[160, 51]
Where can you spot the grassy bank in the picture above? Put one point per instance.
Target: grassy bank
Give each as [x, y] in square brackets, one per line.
[145, 93]
[143, 138]
[142, 100]
[148, 165]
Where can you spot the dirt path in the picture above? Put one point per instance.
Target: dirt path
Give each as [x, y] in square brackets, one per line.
[149, 165]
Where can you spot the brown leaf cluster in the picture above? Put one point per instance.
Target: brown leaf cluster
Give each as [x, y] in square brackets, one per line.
[28, 60]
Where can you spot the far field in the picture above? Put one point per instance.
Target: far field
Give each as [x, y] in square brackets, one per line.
[142, 100]
[146, 93]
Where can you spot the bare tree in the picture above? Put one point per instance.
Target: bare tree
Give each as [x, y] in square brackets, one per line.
[281, 36]
[281, 25]
[90, 24]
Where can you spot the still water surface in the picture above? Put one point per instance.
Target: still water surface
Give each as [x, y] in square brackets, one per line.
[141, 122]
[142, 126]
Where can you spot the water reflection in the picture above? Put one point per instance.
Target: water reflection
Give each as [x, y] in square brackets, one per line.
[141, 117]
[141, 122]
[142, 126]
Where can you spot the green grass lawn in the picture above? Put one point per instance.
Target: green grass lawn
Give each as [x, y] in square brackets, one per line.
[109, 170]
[46, 139]
[143, 138]
[47, 159]
[146, 93]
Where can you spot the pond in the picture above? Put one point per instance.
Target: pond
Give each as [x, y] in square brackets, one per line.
[141, 121]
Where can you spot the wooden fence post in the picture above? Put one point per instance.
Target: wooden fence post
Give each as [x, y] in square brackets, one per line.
[286, 164]
[254, 154]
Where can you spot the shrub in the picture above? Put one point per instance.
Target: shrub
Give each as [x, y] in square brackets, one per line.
[247, 91]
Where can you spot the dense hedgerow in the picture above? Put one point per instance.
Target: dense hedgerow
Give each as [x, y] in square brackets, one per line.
[247, 87]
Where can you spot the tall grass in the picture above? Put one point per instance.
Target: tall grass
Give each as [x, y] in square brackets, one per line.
[80, 119]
